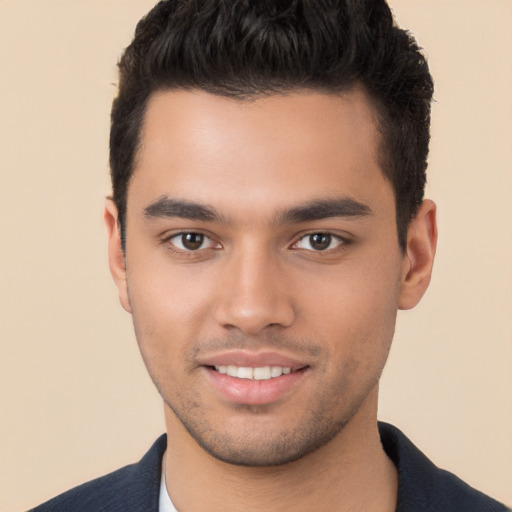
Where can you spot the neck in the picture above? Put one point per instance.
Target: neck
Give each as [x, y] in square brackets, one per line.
[350, 473]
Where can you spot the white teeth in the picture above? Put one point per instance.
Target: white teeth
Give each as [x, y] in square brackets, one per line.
[245, 372]
[260, 373]
[276, 371]
[232, 371]
[263, 373]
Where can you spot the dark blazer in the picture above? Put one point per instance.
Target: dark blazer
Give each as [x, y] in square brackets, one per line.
[422, 486]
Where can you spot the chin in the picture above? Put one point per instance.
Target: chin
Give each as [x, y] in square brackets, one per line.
[257, 446]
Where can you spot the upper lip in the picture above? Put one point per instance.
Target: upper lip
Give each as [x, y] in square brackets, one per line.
[252, 359]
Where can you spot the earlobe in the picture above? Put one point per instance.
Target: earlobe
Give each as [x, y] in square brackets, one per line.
[419, 256]
[116, 255]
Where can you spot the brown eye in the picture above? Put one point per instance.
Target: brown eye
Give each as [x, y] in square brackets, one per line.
[320, 241]
[192, 241]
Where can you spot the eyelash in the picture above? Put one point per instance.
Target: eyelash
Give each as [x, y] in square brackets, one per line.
[341, 243]
[184, 251]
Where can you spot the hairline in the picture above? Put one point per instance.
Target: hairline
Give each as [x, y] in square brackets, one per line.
[383, 157]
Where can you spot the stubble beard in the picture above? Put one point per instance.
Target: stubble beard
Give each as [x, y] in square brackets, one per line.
[250, 447]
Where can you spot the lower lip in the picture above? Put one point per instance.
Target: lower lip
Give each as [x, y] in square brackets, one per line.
[254, 392]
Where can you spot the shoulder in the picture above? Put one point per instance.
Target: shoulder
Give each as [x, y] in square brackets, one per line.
[426, 488]
[134, 487]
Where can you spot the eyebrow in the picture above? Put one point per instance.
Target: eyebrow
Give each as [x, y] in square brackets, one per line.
[166, 207]
[323, 209]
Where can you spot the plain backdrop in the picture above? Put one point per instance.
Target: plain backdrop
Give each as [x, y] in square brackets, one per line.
[75, 401]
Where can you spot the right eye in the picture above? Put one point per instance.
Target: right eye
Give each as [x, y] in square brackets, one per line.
[191, 241]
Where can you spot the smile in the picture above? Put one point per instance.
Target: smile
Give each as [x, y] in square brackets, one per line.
[255, 385]
[259, 373]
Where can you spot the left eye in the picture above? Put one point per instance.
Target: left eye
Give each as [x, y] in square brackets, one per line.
[191, 241]
[318, 242]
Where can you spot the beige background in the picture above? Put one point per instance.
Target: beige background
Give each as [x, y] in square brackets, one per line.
[75, 400]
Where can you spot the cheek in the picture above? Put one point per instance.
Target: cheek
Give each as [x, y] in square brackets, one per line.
[356, 312]
[167, 306]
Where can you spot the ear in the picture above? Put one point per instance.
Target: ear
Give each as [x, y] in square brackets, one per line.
[116, 256]
[419, 256]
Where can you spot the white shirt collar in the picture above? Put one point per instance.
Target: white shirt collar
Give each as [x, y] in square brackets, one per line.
[164, 502]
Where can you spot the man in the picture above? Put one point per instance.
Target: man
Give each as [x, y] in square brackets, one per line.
[267, 222]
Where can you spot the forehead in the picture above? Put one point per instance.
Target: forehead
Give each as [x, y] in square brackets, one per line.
[275, 149]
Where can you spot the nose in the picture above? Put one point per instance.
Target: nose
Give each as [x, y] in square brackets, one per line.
[253, 294]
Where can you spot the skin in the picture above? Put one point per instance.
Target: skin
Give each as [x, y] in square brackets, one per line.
[258, 284]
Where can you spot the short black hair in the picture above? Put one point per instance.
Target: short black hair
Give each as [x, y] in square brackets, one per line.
[246, 48]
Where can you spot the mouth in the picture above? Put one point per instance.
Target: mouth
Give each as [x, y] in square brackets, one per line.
[258, 373]
[246, 379]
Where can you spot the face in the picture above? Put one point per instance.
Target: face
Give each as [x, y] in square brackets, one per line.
[263, 270]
